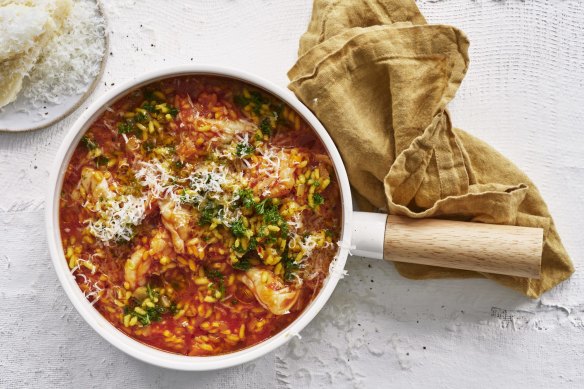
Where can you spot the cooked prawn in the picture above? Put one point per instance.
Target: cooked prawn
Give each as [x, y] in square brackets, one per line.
[95, 184]
[137, 267]
[176, 219]
[277, 175]
[270, 290]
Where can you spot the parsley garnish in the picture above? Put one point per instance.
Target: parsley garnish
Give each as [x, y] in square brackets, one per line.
[173, 111]
[148, 146]
[237, 228]
[101, 160]
[208, 213]
[149, 107]
[151, 314]
[149, 95]
[261, 207]
[217, 278]
[266, 126]
[87, 142]
[240, 100]
[125, 127]
[253, 243]
[243, 264]
[256, 100]
[318, 199]
[213, 274]
[244, 149]
[272, 216]
[290, 266]
[246, 197]
[140, 117]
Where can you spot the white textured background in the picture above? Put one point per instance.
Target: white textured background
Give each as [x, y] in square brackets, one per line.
[524, 94]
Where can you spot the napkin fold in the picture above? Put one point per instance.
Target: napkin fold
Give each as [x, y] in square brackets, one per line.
[379, 79]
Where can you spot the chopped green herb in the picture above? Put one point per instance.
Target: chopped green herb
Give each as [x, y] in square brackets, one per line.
[256, 100]
[208, 213]
[243, 264]
[173, 111]
[87, 142]
[266, 126]
[149, 95]
[253, 244]
[101, 160]
[263, 231]
[217, 280]
[220, 286]
[239, 249]
[150, 314]
[240, 100]
[244, 149]
[246, 197]
[277, 112]
[271, 215]
[261, 207]
[290, 266]
[149, 107]
[148, 146]
[213, 274]
[150, 292]
[140, 117]
[237, 228]
[318, 199]
[125, 127]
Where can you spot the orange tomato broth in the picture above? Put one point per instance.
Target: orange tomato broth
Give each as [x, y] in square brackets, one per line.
[200, 298]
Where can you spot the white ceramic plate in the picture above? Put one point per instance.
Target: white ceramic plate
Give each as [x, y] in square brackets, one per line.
[21, 115]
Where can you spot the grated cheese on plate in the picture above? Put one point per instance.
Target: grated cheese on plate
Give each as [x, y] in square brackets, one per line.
[71, 60]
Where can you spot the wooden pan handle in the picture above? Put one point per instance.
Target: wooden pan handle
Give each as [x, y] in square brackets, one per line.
[489, 248]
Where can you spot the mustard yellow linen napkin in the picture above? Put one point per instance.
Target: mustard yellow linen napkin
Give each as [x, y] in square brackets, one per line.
[379, 79]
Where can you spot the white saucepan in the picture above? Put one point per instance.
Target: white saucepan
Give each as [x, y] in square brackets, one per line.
[473, 246]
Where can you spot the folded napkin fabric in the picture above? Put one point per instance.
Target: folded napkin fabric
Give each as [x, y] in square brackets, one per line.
[379, 79]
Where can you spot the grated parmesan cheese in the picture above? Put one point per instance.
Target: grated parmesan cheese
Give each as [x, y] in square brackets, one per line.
[94, 290]
[20, 28]
[296, 223]
[117, 217]
[156, 178]
[209, 179]
[71, 60]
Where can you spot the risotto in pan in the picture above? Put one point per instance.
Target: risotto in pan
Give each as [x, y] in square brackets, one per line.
[200, 215]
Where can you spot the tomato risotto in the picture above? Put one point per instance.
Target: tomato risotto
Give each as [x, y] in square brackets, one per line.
[200, 215]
